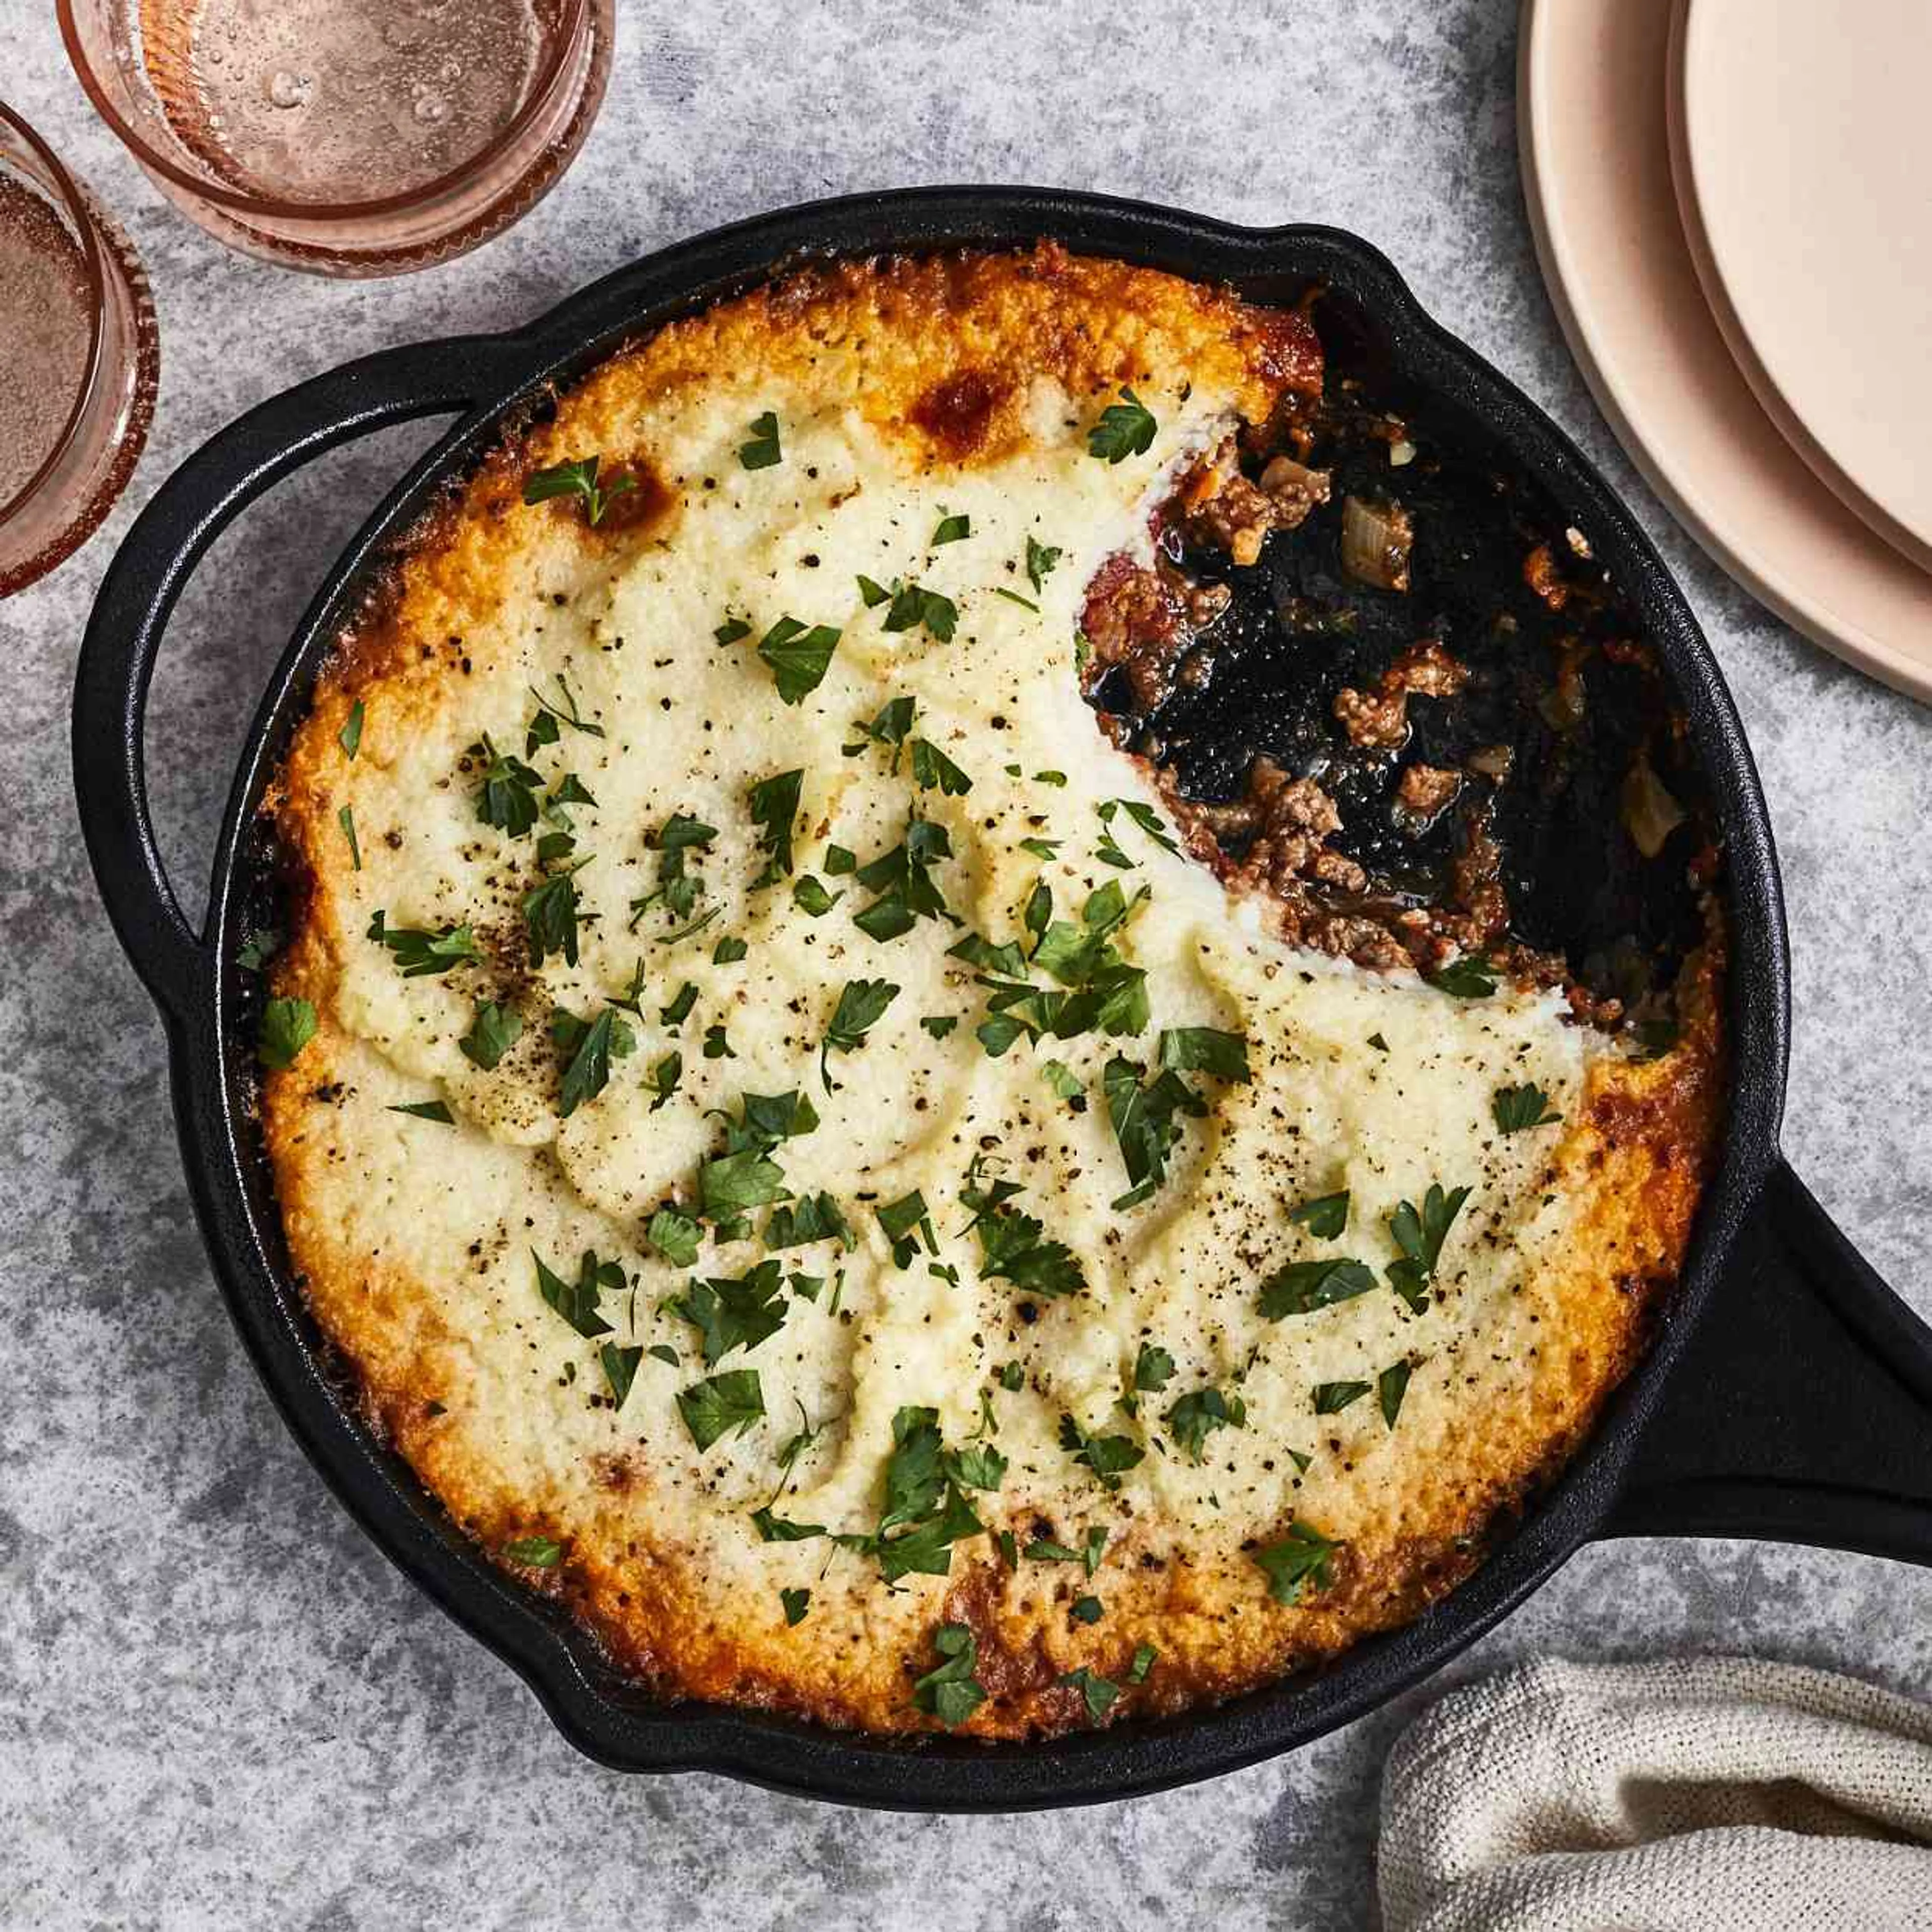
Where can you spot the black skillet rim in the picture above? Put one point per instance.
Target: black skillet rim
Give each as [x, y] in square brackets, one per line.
[619, 1725]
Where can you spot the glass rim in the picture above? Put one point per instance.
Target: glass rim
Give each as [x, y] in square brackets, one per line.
[571, 15]
[68, 191]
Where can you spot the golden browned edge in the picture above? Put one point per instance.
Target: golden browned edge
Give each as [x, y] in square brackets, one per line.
[936, 354]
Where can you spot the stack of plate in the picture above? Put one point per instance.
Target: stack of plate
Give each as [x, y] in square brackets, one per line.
[1732, 202]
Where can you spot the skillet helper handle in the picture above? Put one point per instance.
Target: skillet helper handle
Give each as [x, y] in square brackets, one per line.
[1801, 1410]
[144, 581]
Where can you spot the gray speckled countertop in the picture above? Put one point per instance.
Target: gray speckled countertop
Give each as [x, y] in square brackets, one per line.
[222, 1707]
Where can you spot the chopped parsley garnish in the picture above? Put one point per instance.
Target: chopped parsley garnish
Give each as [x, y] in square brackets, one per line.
[1153, 1370]
[620, 1369]
[1145, 1657]
[951, 1693]
[258, 949]
[763, 450]
[437, 1110]
[1467, 978]
[550, 915]
[1302, 1561]
[798, 657]
[565, 711]
[939, 1025]
[535, 1553]
[809, 896]
[1044, 1549]
[1325, 1217]
[731, 631]
[718, 1043]
[1014, 597]
[507, 798]
[1302, 1287]
[923, 1502]
[933, 770]
[736, 1182]
[1420, 1237]
[1065, 1083]
[287, 1027]
[889, 728]
[1125, 429]
[675, 1235]
[1204, 1050]
[901, 879]
[1087, 1610]
[951, 529]
[774, 803]
[781, 1529]
[817, 1217]
[590, 1047]
[728, 952]
[493, 1030]
[1145, 816]
[679, 1011]
[1391, 1385]
[576, 478]
[860, 1006]
[714, 1408]
[662, 1352]
[1013, 1247]
[906, 1222]
[839, 863]
[678, 887]
[1040, 560]
[576, 1300]
[735, 1312]
[795, 1603]
[1516, 1108]
[417, 951]
[1108, 1456]
[1099, 1692]
[346, 818]
[664, 1078]
[1195, 1416]
[872, 594]
[913, 606]
[1146, 1120]
[1331, 1398]
[350, 737]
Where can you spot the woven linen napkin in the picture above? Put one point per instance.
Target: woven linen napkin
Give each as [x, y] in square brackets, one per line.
[1693, 1794]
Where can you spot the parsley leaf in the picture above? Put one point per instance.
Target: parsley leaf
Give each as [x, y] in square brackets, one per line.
[1391, 1385]
[795, 1603]
[679, 1011]
[1204, 1050]
[493, 1030]
[902, 881]
[951, 529]
[1108, 1456]
[587, 1072]
[1040, 560]
[816, 1218]
[507, 798]
[576, 1300]
[675, 1235]
[737, 1312]
[417, 951]
[1325, 1217]
[1467, 978]
[1125, 429]
[763, 450]
[535, 1553]
[350, 737]
[1013, 1247]
[1420, 1237]
[913, 606]
[576, 478]
[564, 711]
[860, 1006]
[1516, 1108]
[550, 915]
[258, 949]
[1195, 1416]
[287, 1027]
[774, 803]
[798, 658]
[939, 1025]
[678, 887]
[664, 1078]
[1098, 1692]
[1331, 1398]
[1302, 1287]
[1145, 1657]
[932, 769]
[620, 1369]
[810, 896]
[728, 1186]
[1146, 1121]
[428, 1110]
[1302, 1561]
[1153, 1369]
[713, 1407]
[951, 1693]
[902, 1220]
[781, 1529]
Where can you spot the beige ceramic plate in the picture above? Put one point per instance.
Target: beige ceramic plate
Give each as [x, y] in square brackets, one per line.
[1801, 150]
[1596, 158]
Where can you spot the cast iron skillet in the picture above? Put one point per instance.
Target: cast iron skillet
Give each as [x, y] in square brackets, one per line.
[1788, 1393]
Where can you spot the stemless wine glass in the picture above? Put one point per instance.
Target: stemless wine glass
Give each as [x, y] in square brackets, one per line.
[79, 357]
[347, 137]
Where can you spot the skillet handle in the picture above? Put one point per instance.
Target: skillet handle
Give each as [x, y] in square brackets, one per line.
[1801, 1409]
[142, 586]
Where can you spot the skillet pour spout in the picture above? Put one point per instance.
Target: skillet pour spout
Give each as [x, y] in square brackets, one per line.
[1786, 1394]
